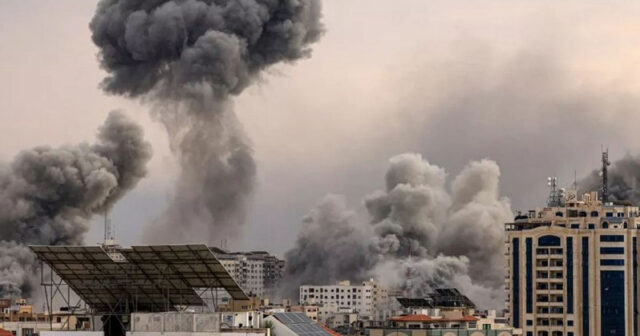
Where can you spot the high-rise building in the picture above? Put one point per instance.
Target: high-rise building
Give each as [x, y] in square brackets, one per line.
[258, 273]
[573, 267]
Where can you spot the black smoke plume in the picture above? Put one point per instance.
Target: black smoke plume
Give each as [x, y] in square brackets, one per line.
[624, 180]
[418, 236]
[48, 195]
[187, 57]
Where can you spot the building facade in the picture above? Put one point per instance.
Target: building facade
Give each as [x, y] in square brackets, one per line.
[365, 299]
[258, 273]
[573, 268]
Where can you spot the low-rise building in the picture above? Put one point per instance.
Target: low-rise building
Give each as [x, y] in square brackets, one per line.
[309, 311]
[187, 323]
[449, 323]
[365, 298]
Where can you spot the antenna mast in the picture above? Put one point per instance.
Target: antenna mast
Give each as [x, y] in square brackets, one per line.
[552, 183]
[605, 181]
[109, 238]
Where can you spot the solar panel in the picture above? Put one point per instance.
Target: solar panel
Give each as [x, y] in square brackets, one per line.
[415, 302]
[300, 324]
[195, 266]
[148, 278]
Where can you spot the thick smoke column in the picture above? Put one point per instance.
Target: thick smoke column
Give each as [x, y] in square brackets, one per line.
[47, 195]
[409, 214]
[444, 238]
[624, 180]
[188, 57]
[332, 244]
[475, 227]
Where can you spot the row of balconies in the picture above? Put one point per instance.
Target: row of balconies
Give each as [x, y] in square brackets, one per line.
[549, 298]
[553, 263]
[549, 274]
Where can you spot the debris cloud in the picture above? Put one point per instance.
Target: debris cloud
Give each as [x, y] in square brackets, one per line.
[417, 237]
[187, 58]
[48, 195]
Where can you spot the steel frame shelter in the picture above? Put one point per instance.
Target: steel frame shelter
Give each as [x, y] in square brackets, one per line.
[141, 278]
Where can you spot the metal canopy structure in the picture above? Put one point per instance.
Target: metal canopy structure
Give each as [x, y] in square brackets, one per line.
[140, 278]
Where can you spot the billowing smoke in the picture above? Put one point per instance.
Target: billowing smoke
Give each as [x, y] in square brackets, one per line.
[624, 180]
[48, 195]
[475, 224]
[187, 57]
[418, 237]
[17, 269]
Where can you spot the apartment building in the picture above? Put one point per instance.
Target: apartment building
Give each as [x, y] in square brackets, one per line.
[573, 267]
[258, 273]
[365, 298]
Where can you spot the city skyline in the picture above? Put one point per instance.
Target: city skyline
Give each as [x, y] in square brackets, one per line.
[477, 39]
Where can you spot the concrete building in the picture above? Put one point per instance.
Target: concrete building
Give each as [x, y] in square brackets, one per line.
[309, 311]
[365, 299]
[258, 273]
[573, 267]
[442, 323]
[185, 324]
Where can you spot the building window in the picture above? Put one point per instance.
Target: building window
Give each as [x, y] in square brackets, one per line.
[575, 226]
[570, 275]
[585, 285]
[612, 250]
[635, 286]
[529, 322]
[592, 226]
[549, 240]
[559, 214]
[582, 214]
[611, 238]
[611, 262]
[613, 303]
[529, 275]
[594, 214]
[515, 258]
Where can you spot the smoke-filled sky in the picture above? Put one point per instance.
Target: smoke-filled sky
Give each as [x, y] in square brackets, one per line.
[536, 86]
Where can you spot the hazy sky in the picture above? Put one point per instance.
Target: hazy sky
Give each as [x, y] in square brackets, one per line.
[537, 86]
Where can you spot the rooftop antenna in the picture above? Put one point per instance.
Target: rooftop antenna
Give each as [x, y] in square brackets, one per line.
[109, 232]
[409, 275]
[552, 182]
[605, 181]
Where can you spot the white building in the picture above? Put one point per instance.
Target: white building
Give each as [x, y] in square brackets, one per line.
[364, 299]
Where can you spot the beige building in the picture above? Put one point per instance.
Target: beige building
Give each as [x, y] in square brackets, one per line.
[445, 323]
[309, 311]
[365, 299]
[573, 267]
